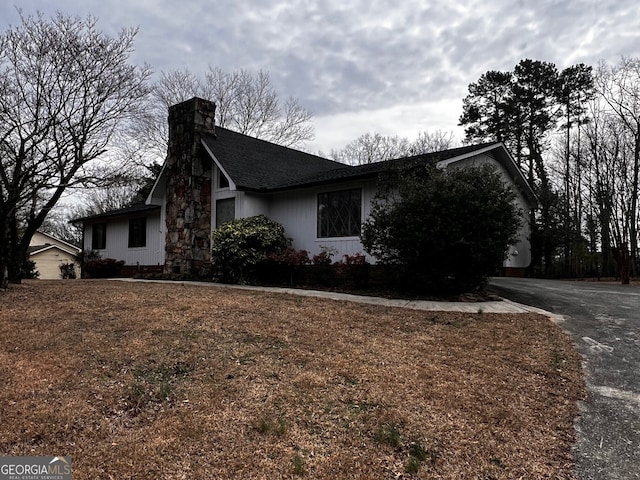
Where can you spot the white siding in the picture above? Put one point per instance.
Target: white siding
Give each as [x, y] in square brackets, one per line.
[117, 244]
[297, 211]
[250, 204]
[48, 263]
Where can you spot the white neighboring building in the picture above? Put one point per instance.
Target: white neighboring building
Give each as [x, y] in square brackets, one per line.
[49, 252]
[212, 175]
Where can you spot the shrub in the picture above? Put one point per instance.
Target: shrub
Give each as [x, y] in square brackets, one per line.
[290, 257]
[284, 268]
[29, 269]
[102, 268]
[322, 271]
[239, 246]
[67, 270]
[325, 256]
[353, 270]
[446, 230]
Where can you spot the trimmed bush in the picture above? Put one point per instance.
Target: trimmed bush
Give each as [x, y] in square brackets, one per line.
[102, 268]
[284, 268]
[240, 246]
[445, 230]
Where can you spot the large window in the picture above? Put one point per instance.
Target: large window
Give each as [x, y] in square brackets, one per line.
[225, 211]
[138, 232]
[99, 236]
[339, 213]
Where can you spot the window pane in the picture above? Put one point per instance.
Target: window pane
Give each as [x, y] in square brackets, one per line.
[223, 182]
[99, 236]
[225, 211]
[138, 232]
[339, 213]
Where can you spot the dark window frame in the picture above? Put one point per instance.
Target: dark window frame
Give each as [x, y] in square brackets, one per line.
[137, 232]
[339, 213]
[99, 236]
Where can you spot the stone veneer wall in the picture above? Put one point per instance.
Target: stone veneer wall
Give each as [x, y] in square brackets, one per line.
[188, 175]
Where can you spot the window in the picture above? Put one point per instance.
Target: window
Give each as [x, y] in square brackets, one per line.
[99, 236]
[339, 213]
[138, 232]
[223, 182]
[225, 211]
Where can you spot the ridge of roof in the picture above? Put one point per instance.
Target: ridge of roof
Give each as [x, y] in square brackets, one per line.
[56, 239]
[256, 164]
[35, 249]
[375, 168]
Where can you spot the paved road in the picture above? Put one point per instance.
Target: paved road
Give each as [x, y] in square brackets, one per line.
[604, 322]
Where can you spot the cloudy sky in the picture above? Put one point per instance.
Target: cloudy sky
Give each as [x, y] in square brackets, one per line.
[393, 67]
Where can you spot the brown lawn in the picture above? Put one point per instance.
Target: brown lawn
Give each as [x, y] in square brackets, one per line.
[165, 381]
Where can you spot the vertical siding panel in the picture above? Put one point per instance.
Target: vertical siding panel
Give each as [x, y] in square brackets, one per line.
[117, 245]
[297, 212]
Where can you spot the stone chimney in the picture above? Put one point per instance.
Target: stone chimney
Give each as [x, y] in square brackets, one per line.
[188, 168]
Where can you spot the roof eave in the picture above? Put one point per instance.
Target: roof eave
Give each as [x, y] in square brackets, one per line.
[117, 213]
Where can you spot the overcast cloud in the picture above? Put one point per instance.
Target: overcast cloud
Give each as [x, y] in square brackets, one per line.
[394, 67]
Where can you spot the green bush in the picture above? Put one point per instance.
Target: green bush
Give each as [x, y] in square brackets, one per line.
[240, 246]
[67, 270]
[29, 269]
[444, 230]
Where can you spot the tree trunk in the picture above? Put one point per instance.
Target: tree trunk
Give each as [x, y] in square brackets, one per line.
[623, 259]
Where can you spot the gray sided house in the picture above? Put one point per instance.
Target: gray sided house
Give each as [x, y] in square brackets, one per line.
[212, 175]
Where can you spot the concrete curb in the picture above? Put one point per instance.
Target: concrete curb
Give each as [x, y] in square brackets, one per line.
[503, 306]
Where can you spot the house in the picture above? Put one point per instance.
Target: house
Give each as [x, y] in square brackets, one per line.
[48, 252]
[212, 175]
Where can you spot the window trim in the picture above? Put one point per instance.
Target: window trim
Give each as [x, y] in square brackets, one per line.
[319, 237]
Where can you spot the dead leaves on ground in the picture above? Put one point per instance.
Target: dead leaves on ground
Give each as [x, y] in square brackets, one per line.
[171, 381]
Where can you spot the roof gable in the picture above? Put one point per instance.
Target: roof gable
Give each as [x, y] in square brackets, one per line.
[45, 239]
[34, 250]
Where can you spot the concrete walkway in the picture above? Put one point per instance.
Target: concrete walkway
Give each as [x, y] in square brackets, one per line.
[502, 306]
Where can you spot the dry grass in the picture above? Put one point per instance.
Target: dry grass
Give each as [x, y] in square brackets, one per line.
[169, 382]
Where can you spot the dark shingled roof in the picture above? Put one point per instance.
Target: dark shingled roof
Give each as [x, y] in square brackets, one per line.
[255, 164]
[134, 210]
[371, 170]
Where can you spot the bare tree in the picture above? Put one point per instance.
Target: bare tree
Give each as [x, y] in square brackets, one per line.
[612, 165]
[436, 141]
[372, 147]
[245, 102]
[58, 224]
[65, 90]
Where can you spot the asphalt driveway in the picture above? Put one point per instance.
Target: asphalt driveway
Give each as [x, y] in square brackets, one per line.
[604, 321]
